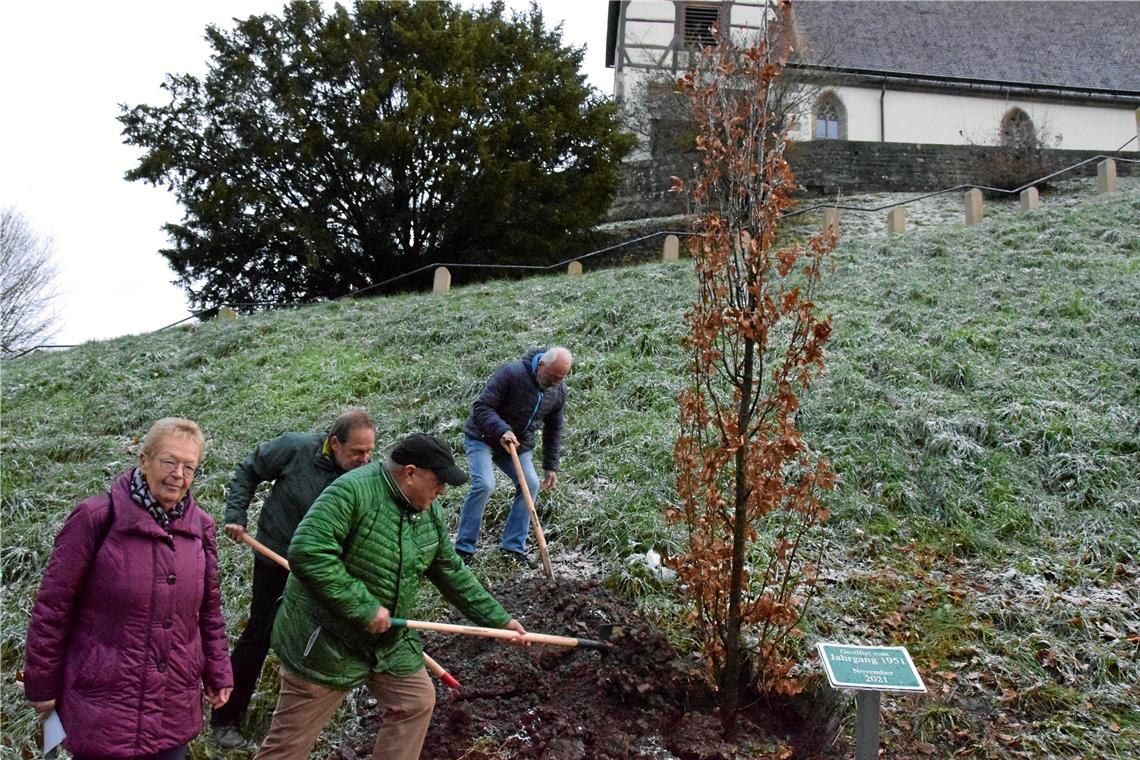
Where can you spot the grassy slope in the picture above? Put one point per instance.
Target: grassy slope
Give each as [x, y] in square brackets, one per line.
[981, 407]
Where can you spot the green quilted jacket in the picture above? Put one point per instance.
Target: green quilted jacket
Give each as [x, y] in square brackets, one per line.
[360, 546]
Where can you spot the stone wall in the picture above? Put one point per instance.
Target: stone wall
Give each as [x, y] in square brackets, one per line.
[832, 166]
[827, 167]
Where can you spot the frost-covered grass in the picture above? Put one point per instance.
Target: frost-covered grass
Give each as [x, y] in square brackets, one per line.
[981, 406]
[982, 409]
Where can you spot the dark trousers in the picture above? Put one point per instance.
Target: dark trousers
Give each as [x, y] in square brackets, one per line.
[174, 753]
[249, 652]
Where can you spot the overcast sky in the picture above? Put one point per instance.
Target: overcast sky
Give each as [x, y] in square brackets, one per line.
[66, 67]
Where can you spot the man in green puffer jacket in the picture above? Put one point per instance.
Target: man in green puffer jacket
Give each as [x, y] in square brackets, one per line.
[358, 558]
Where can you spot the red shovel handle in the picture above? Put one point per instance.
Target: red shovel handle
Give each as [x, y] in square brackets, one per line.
[437, 670]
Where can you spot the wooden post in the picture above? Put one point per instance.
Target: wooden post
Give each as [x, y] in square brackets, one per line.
[672, 250]
[574, 269]
[1029, 199]
[225, 312]
[973, 206]
[1106, 177]
[442, 282]
[896, 220]
[831, 222]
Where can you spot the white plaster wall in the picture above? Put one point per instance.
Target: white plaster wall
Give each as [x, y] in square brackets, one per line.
[747, 18]
[917, 117]
[743, 11]
[909, 116]
[646, 22]
[644, 33]
[660, 10]
[653, 22]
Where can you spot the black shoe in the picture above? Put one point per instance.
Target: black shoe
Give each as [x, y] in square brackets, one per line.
[518, 558]
[467, 557]
[228, 737]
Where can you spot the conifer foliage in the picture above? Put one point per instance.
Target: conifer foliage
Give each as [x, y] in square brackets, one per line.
[326, 151]
[748, 486]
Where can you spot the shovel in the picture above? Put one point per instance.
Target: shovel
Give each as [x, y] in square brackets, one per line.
[264, 550]
[437, 670]
[538, 534]
[433, 667]
[502, 633]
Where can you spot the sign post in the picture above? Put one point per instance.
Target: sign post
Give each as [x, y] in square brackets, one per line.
[866, 724]
[869, 671]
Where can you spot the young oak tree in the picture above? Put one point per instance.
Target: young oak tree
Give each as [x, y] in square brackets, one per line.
[325, 152]
[747, 484]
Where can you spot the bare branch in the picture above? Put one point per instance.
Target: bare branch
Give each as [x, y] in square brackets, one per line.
[28, 286]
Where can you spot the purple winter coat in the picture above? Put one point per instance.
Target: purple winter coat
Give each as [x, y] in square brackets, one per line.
[124, 639]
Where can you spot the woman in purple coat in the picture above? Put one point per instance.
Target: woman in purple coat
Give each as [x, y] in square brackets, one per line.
[127, 628]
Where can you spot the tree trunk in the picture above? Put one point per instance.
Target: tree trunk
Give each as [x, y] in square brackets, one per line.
[734, 654]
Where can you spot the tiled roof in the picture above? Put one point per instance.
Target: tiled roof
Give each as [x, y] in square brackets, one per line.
[1073, 44]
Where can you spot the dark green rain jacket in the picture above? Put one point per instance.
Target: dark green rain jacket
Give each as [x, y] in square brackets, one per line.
[300, 465]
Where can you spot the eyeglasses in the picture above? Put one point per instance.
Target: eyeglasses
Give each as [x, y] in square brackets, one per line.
[168, 466]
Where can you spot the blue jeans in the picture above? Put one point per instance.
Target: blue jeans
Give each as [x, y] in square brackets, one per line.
[480, 457]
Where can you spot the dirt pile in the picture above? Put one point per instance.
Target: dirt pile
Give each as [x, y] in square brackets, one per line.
[639, 700]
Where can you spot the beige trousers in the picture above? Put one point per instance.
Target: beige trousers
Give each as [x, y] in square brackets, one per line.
[303, 709]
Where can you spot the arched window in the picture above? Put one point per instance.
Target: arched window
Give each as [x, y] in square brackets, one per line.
[1017, 128]
[830, 118]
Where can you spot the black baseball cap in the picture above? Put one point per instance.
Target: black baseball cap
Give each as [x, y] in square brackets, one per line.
[429, 452]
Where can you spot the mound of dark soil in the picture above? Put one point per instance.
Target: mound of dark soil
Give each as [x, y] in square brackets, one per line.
[638, 700]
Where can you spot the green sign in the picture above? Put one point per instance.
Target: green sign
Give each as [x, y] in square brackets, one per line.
[850, 666]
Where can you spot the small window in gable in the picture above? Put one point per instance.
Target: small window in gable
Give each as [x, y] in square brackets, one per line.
[830, 118]
[699, 20]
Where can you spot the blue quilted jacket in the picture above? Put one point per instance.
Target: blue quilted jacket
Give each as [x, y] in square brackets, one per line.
[513, 400]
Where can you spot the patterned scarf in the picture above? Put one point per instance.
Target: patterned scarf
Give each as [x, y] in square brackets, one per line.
[141, 495]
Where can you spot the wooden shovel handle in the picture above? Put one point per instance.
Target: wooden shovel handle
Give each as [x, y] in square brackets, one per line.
[538, 534]
[264, 550]
[433, 667]
[499, 633]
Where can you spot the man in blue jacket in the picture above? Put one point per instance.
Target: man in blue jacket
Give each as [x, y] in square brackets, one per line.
[520, 397]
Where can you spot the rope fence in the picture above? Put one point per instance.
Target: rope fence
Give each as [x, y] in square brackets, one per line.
[896, 223]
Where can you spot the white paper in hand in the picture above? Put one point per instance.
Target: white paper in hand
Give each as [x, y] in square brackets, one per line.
[53, 734]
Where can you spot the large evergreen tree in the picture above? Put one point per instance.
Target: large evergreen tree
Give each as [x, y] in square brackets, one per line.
[324, 152]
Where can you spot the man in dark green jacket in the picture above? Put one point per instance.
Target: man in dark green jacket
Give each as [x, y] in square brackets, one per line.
[300, 466]
[358, 559]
